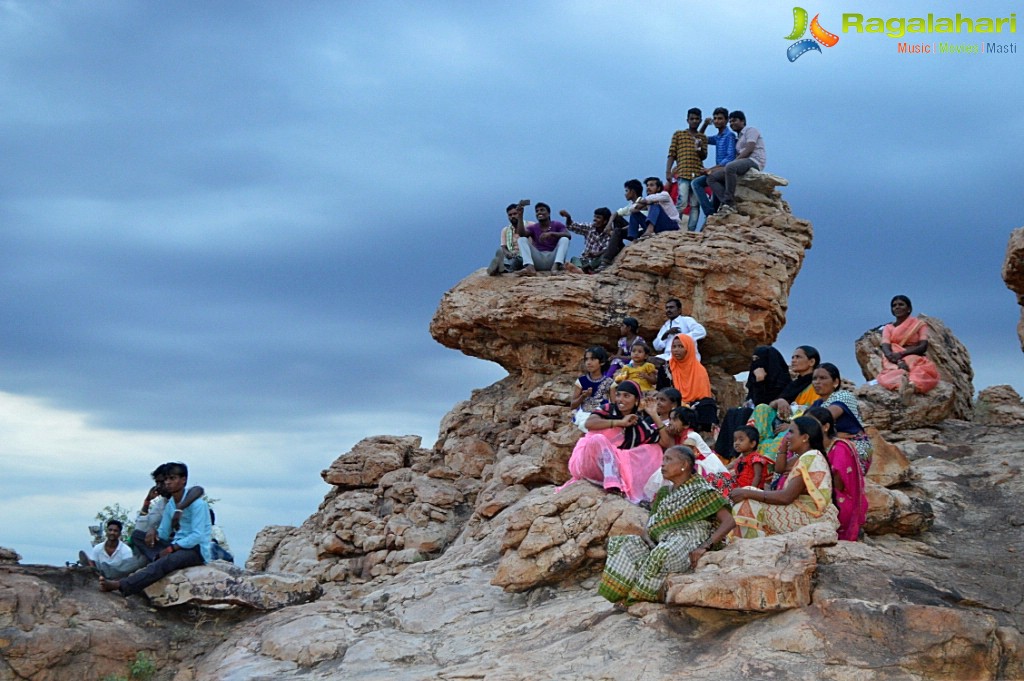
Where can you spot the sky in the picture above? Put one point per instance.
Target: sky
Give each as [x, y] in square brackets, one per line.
[224, 227]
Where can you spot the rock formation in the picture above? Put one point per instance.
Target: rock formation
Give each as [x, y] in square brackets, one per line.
[221, 583]
[1013, 274]
[999, 405]
[461, 561]
[951, 398]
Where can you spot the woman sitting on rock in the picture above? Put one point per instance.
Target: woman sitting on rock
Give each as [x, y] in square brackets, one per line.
[904, 344]
[769, 418]
[847, 478]
[687, 518]
[806, 498]
[620, 450]
[685, 373]
[845, 410]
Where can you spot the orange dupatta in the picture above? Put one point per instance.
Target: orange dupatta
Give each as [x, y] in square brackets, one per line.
[689, 376]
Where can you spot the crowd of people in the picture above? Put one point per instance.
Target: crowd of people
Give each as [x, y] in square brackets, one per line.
[174, 529]
[795, 453]
[689, 189]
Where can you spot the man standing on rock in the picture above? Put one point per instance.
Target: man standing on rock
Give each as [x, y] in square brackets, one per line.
[686, 154]
[750, 153]
[543, 244]
[677, 323]
[189, 546]
[725, 151]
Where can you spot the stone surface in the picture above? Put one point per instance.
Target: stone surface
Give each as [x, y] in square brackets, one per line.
[883, 409]
[1013, 274]
[895, 511]
[9, 555]
[954, 364]
[369, 460]
[221, 583]
[999, 405]
[767, 574]
[551, 535]
[734, 277]
[889, 465]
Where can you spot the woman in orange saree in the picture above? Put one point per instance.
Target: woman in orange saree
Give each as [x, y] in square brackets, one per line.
[904, 344]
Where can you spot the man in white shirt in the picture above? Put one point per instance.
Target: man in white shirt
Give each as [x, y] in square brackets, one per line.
[662, 216]
[113, 558]
[677, 323]
[634, 191]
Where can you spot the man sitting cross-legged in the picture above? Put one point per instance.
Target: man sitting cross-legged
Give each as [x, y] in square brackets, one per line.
[112, 558]
[187, 547]
[596, 236]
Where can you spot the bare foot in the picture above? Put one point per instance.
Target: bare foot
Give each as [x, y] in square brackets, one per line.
[569, 267]
[109, 584]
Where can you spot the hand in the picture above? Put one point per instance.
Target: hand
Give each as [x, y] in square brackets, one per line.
[153, 494]
[151, 538]
[739, 494]
[166, 552]
[586, 393]
[647, 540]
[564, 214]
[785, 412]
[630, 420]
[760, 374]
[176, 522]
[695, 556]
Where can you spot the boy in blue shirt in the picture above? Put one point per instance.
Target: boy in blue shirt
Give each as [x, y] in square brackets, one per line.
[725, 151]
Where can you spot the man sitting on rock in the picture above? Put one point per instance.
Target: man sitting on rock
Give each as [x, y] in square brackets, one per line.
[662, 216]
[113, 558]
[676, 323]
[750, 153]
[543, 244]
[619, 229]
[507, 257]
[596, 236]
[187, 547]
[145, 543]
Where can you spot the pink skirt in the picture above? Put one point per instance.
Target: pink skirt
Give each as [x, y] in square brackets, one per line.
[598, 458]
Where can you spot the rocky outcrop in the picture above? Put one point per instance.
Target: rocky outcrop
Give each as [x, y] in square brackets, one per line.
[9, 555]
[889, 465]
[1013, 274]
[768, 574]
[882, 408]
[734, 277]
[221, 583]
[550, 535]
[999, 405]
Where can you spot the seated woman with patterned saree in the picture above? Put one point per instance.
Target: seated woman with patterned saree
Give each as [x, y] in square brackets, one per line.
[805, 499]
[904, 344]
[845, 410]
[687, 518]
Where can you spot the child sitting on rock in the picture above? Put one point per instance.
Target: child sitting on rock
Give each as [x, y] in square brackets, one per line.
[593, 389]
[749, 468]
[639, 369]
[630, 329]
[682, 431]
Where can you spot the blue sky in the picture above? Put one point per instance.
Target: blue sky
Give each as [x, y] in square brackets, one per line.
[224, 227]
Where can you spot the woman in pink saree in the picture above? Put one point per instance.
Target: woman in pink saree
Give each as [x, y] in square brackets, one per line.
[847, 479]
[620, 450]
[904, 344]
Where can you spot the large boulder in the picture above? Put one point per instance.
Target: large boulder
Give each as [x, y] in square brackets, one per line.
[734, 277]
[221, 583]
[551, 535]
[767, 574]
[954, 364]
[1013, 274]
[999, 405]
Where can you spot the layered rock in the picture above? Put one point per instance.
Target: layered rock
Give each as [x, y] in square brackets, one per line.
[734, 277]
[1013, 274]
[999, 405]
[221, 583]
[951, 398]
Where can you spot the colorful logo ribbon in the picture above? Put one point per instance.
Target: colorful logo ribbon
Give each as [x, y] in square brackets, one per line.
[820, 35]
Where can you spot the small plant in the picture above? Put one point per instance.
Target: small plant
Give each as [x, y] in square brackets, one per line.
[143, 668]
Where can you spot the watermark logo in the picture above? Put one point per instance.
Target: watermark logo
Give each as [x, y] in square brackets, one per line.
[804, 45]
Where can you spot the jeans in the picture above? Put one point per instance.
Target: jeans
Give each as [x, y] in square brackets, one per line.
[160, 568]
[688, 196]
[707, 204]
[723, 182]
[656, 217]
